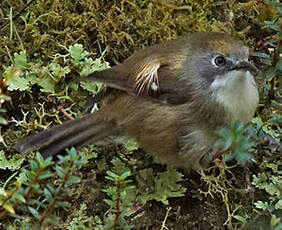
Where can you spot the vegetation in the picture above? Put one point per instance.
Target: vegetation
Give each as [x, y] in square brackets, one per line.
[47, 46]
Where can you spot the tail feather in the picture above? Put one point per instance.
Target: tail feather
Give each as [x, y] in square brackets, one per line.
[90, 135]
[77, 133]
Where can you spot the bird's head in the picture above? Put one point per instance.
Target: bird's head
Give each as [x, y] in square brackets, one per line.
[220, 67]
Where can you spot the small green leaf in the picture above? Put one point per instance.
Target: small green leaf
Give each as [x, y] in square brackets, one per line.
[274, 221]
[62, 159]
[261, 205]
[260, 55]
[3, 121]
[39, 157]
[45, 175]
[278, 205]
[91, 86]
[36, 188]
[31, 77]
[51, 188]
[73, 180]
[58, 71]
[125, 174]
[109, 202]
[19, 197]
[52, 220]
[240, 218]
[48, 195]
[34, 212]
[166, 184]
[131, 145]
[60, 171]
[89, 66]
[21, 60]
[33, 165]
[9, 208]
[272, 25]
[72, 152]
[47, 84]
[274, 3]
[77, 53]
[3, 192]
[111, 176]
[13, 163]
[18, 83]
[119, 166]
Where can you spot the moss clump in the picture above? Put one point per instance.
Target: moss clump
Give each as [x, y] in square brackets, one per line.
[121, 26]
[113, 30]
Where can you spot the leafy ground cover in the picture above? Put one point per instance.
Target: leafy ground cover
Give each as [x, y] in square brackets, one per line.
[47, 46]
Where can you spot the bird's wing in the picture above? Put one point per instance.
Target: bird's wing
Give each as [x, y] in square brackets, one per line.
[149, 76]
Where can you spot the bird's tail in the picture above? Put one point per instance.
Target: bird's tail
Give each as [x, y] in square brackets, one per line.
[74, 133]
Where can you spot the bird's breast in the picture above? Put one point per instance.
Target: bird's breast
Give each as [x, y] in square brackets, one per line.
[237, 93]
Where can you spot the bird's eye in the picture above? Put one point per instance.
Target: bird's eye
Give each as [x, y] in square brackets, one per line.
[219, 61]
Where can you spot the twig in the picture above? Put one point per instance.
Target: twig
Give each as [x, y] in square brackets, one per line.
[117, 214]
[29, 192]
[221, 153]
[58, 192]
[165, 219]
[67, 115]
[17, 14]
[9, 197]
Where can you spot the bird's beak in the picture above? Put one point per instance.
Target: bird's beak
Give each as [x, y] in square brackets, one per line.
[246, 66]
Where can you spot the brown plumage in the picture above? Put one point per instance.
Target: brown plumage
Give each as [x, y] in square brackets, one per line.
[171, 97]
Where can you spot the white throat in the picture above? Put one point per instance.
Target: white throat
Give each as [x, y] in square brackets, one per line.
[237, 92]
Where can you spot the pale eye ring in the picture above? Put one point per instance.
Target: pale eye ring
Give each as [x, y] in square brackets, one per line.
[219, 61]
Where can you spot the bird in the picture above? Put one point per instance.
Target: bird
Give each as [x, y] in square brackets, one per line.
[169, 97]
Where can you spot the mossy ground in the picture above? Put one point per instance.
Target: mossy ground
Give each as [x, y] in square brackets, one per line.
[116, 29]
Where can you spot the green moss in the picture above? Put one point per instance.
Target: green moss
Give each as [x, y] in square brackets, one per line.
[116, 29]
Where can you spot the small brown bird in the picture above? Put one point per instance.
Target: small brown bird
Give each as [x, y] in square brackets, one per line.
[170, 97]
